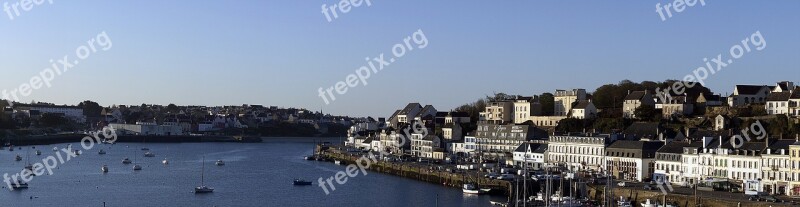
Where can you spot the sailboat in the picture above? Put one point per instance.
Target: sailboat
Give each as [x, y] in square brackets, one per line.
[28, 166]
[104, 169]
[136, 167]
[203, 188]
[166, 162]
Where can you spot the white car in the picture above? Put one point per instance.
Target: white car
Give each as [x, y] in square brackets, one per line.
[621, 184]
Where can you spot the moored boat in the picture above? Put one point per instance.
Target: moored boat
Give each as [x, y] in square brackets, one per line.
[219, 163]
[104, 169]
[301, 182]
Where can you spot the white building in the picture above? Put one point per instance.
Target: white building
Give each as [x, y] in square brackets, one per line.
[584, 110]
[70, 112]
[579, 151]
[564, 99]
[525, 107]
[632, 160]
[744, 95]
[531, 156]
[148, 128]
[502, 140]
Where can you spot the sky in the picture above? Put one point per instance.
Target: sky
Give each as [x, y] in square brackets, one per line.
[281, 52]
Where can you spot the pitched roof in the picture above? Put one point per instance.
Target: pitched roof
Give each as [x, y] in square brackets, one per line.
[408, 108]
[636, 95]
[674, 147]
[778, 145]
[779, 96]
[582, 104]
[638, 145]
[535, 148]
[643, 129]
[749, 89]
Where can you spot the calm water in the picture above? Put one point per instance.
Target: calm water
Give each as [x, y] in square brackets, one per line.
[254, 175]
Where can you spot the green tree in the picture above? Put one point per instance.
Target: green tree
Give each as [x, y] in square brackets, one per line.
[91, 108]
[646, 113]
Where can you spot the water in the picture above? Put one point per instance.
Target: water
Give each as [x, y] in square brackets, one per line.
[257, 174]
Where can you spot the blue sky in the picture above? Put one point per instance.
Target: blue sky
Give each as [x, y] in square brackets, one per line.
[281, 52]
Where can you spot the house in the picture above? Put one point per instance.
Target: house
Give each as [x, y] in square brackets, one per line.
[407, 114]
[579, 151]
[427, 113]
[564, 99]
[452, 131]
[632, 160]
[704, 100]
[783, 86]
[531, 156]
[744, 95]
[635, 100]
[498, 112]
[652, 131]
[584, 110]
[677, 105]
[778, 103]
[525, 107]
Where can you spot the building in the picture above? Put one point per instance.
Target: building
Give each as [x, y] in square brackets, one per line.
[775, 167]
[423, 146]
[584, 110]
[669, 167]
[148, 128]
[579, 151]
[407, 114]
[470, 145]
[632, 160]
[73, 113]
[547, 121]
[531, 156]
[502, 140]
[635, 100]
[564, 99]
[794, 163]
[721, 122]
[744, 95]
[525, 107]
[778, 103]
[677, 106]
[498, 112]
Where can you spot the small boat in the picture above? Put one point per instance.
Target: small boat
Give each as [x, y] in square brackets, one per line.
[77, 152]
[202, 189]
[104, 169]
[166, 162]
[55, 149]
[301, 182]
[19, 185]
[38, 152]
[471, 189]
[219, 163]
[311, 157]
[11, 149]
[137, 167]
[18, 158]
[337, 162]
[145, 149]
[101, 152]
[126, 161]
[149, 154]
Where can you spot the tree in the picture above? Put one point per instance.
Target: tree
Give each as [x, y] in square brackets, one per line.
[646, 113]
[548, 104]
[91, 108]
[172, 108]
[573, 125]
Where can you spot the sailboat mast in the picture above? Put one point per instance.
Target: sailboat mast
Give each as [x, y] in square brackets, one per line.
[203, 172]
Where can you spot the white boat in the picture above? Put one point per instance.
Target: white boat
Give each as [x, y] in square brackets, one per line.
[126, 161]
[101, 152]
[77, 152]
[166, 162]
[337, 162]
[149, 154]
[137, 167]
[38, 152]
[219, 163]
[104, 169]
[471, 189]
[18, 158]
[55, 149]
[203, 188]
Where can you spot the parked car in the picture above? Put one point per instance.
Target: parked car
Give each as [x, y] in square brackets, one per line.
[754, 198]
[649, 187]
[491, 175]
[506, 177]
[772, 199]
[621, 184]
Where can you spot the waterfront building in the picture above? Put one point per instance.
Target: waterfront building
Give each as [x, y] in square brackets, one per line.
[632, 160]
[148, 128]
[423, 146]
[776, 168]
[669, 167]
[502, 140]
[584, 152]
[794, 163]
[531, 156]
[73, 113]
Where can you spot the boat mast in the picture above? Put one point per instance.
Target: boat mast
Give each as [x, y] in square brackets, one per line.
[203, 172]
